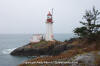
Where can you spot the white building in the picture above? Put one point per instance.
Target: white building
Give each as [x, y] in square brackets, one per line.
[49, 28]
[49, 31]
[36, 38]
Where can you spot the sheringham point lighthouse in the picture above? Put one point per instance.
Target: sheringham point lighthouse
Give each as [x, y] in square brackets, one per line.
[49, 28]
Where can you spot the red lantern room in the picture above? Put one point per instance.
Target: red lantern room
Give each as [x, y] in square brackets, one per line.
[49, 18]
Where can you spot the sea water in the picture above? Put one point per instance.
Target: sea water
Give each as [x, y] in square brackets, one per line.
[9, 42]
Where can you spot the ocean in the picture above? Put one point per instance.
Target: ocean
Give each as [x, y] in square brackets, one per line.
[8, 42]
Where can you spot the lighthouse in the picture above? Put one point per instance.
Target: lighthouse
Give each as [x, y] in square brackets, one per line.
[49, 28]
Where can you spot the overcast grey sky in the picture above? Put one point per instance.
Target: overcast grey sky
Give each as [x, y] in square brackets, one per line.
[28, 16]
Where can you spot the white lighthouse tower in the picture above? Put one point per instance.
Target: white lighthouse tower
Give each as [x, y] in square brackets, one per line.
[49, 28]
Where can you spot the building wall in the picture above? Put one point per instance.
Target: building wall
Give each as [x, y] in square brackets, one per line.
[49, 32]
[36, 38]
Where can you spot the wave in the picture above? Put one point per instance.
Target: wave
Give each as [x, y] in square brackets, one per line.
[8, 51]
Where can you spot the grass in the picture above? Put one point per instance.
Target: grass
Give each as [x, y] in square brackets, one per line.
[40, 44]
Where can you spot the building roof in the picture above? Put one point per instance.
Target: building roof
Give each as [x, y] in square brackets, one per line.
[49, 14]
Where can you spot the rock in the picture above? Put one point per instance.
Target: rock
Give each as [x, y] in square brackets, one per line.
[88, 59]
[53, 49]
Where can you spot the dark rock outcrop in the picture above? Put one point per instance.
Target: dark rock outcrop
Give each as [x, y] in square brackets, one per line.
[52, 49]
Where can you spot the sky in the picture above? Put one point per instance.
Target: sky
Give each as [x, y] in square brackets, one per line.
[29, 16]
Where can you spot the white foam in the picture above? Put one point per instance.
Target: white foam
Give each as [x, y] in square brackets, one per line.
[8, 51]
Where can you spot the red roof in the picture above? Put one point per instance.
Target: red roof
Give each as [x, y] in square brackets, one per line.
[49, 14]
[49, 20]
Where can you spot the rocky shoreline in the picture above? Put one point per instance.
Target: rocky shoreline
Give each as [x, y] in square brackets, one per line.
[70, 50]
[41, 48]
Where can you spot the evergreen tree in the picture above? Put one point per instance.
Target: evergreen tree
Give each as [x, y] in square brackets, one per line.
[91, 25]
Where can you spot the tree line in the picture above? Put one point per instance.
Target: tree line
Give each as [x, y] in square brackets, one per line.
[90, 25]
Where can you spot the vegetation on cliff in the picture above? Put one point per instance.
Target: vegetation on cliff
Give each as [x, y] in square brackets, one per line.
[91, 25]
[80, 47]
[41, 48]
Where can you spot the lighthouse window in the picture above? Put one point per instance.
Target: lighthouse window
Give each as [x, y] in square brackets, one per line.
[49, 17]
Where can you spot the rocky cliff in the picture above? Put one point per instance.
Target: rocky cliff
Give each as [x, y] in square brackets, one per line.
[41, 48]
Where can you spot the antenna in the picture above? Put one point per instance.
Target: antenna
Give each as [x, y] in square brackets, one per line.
[52, 13]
